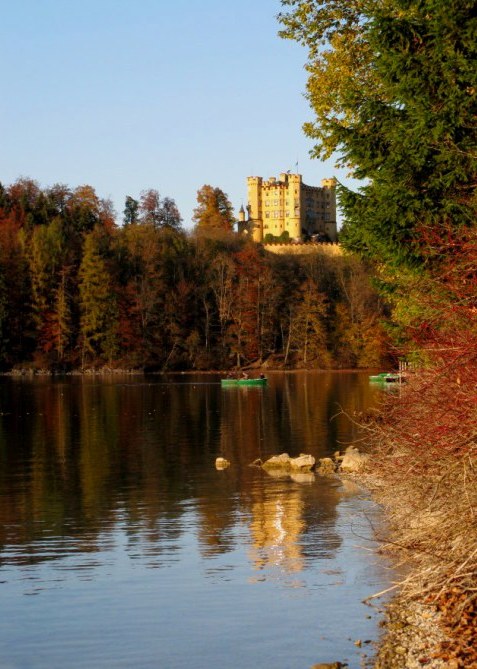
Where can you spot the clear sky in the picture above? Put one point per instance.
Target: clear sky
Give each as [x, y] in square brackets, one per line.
[127, 95]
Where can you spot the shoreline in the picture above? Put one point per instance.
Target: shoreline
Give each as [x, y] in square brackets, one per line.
[413, 631]
[104, 371]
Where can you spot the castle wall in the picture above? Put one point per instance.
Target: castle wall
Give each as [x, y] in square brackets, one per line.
[305, 249]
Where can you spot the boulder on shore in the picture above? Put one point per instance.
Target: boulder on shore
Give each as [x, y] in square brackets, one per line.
[326, 467]
[353, 460]
[302, 463]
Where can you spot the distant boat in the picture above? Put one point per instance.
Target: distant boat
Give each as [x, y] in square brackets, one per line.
[387, 377]
[244, 382]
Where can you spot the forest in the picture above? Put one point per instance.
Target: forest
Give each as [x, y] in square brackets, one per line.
[80, 292]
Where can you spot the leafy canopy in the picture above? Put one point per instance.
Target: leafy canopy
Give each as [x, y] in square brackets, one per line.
[214, 210]
[393, 86]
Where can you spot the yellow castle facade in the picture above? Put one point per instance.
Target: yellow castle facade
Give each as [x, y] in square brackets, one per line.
[288, 205]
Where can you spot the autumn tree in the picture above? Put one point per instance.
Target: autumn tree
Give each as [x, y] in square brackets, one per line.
[83, 208]
[63, 315]
[214, 210]
[18, 333]
[3, 317]
[307, 334]
[160, 213]
[45, 250]
[359, 337]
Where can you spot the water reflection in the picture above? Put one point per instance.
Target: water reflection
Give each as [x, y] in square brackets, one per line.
[103, 480]
[75, 452]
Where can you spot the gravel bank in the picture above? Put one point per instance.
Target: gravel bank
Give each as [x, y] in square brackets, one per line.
[411, 638]
[412, 632]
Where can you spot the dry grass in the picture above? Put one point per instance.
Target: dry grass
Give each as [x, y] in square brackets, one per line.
[425, 444]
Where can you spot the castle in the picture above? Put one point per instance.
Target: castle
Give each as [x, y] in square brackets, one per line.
[287, 205]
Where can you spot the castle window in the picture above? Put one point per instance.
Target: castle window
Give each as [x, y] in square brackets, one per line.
[267, 214]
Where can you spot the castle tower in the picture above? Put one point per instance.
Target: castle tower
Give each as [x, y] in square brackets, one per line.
[254, 187]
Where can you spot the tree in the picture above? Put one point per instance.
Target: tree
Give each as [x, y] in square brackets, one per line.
[159, 213]
[214, 210]
[169, 214]
[63, 316]
[45, 250]
[308, 334]
[3, 316]
[18, 336]
[149, 207]
[98, 300]
[83, 209]
[339, 62]
[409, 129]
[131, 207]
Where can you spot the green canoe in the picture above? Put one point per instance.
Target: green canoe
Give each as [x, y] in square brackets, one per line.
[386, 377]
[243, 382]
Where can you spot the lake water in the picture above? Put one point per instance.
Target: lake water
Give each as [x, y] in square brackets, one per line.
[121, 545]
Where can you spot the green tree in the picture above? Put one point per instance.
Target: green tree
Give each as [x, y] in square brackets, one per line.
[131, 207]
[409, 128]
[169, 214]
[45, 250]
[64, 319]
[98, 300]
[214, 210]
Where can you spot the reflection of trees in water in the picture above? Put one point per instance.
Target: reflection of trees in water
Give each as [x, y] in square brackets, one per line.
[296, 413]
[84, 456]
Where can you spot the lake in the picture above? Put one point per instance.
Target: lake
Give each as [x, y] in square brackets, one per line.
[121, 545]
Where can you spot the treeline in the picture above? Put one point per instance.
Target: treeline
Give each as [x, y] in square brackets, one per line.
[78, 291]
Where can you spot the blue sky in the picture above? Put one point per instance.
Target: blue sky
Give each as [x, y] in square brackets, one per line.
[127, 95]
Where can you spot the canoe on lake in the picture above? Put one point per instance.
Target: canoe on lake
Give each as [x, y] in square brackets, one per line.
[387, 377]
[243, 382]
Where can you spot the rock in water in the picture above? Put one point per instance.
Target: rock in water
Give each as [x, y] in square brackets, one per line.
[222, 463]
[327, 466]
[303, 463]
